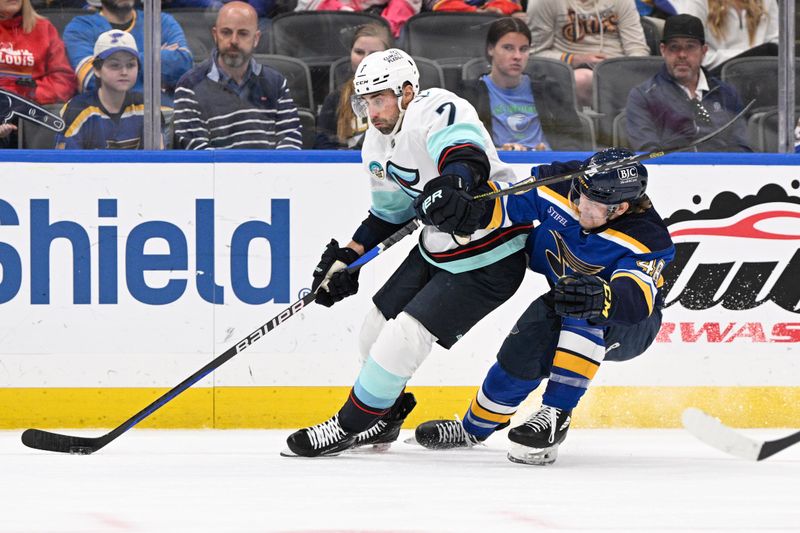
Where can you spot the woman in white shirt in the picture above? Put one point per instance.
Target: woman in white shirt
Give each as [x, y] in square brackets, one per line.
[735, 27]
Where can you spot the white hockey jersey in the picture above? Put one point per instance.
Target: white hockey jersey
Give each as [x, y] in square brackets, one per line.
[400, 165]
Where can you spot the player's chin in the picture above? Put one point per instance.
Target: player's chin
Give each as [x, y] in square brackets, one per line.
[383, 127]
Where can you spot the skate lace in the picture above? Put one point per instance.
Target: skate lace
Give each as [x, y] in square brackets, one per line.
[453, 431]
[546, 416]
[326, 433]
[373, 431]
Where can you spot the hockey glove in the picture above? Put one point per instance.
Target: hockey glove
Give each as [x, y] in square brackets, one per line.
[585, 297]
[555, 168]
[332, 282]
[445, 204]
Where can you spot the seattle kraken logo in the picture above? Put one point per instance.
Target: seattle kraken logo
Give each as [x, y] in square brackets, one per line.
[563, 257]
[405, 177]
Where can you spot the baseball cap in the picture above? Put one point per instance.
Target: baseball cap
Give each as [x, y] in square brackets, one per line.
[684, 26]
[115, 41]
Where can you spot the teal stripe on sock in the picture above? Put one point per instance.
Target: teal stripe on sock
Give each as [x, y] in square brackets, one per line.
[378, 387]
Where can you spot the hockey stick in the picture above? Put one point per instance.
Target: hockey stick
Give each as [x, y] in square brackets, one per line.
[12, 104]
[714, 433]
[532, 182]
[56, 442]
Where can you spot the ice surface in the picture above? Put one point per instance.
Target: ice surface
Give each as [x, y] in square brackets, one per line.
[216, 481]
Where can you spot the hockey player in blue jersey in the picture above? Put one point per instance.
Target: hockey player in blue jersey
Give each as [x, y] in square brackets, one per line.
[602, 247]
[425, 152]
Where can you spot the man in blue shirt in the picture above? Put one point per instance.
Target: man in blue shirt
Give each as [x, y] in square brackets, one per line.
[82, 32]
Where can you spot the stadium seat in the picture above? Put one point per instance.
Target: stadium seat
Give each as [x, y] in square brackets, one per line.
[613, 80]
[762, 129]
[297, 76]
[430, 74]
[557, 72]
[196, 25]
[450, 39]
[318, 38]
[60, 17]
[653, 30]
[309, 122]
[756, 78]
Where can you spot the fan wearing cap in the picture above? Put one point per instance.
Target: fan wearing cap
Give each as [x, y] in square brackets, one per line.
[112, 115]
[683, 102]
[602, 247]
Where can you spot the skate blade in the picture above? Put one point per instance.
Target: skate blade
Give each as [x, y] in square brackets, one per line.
[371, 448]
[412, 441]
[289, 453]
[533, 456]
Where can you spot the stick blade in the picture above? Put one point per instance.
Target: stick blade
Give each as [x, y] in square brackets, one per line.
[55, 442]
[716, 434]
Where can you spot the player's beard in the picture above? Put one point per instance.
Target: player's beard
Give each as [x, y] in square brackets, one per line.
[122, 10]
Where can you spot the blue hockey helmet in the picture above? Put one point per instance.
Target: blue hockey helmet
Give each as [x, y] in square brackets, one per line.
[624, 184]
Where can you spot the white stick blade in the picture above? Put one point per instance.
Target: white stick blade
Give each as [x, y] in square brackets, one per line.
[716, 434]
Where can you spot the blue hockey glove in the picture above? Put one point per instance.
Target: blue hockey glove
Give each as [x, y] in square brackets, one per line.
[445, 204]
[585, 297]
[331, 281]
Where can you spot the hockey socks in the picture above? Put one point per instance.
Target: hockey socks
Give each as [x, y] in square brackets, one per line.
[496, 401]
[578, 355]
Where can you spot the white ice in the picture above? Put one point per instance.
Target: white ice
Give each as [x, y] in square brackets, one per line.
[217, 481]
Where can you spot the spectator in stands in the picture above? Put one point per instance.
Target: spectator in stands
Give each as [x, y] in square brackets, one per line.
[736, 28]
[82, 32]
[396, 12]
[112, 116]
[660, 9]
[32, 59]
[682, 103]
[500, 7]
[584, 33]
[229, 100]
[520, 112]
[337, 124]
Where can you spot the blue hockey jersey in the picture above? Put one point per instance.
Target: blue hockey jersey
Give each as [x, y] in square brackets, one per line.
[90, 127]
[630, 252]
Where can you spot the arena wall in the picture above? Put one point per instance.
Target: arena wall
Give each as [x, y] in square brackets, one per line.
[124, 273]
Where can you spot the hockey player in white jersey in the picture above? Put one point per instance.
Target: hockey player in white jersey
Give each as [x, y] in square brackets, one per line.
[426, 153]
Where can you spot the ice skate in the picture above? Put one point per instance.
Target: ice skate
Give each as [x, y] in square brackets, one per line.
[386, 430]
[445, 435]
[327, 438]
[536, 441]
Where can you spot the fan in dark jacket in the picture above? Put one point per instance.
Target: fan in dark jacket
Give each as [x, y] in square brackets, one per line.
[521, 111]
[681, 103]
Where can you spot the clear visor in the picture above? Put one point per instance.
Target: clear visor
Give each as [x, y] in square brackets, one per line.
[360, 107]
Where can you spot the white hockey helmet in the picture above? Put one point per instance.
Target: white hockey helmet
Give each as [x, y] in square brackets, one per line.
[390, 69]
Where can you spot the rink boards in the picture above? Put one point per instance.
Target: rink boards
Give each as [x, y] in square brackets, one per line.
[122, 274]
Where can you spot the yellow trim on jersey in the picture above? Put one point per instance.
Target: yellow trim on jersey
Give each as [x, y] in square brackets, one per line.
[479, 411]
[575, 364]
[84, 69]
[553, 197]
[82, 117]
[632, 243]
[497, 213]
[646, 289]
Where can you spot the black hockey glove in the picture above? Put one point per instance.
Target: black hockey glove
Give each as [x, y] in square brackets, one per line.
[445, 204]
[331, 281]
[586, 297]
[555, 168]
